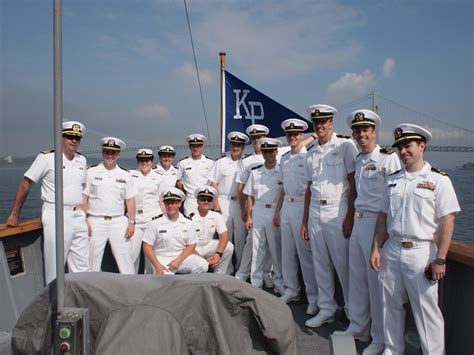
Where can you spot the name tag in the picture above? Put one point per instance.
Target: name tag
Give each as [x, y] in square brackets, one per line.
[188, 168]
[391, 185]
[97, 178]
[162, 231]
[122, 181]
[81, 168]
[426, 185]
[370, 167]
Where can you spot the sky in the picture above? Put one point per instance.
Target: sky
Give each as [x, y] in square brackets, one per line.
[128, 67]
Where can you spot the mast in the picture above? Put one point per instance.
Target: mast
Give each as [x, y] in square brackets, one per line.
[58, 155]
[222, 58]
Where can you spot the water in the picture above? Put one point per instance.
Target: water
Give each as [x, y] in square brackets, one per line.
[11, 174]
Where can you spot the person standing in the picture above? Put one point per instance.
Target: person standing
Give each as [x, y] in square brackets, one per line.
[373, 166]
[329, 210]
[288, 212]
[415, 226]
[165, 167]
[76, 247]
[193, 171]
[263, 189]
[217, 252]
[109, 190]
[170, 240]
[223, 179]
[147, 202]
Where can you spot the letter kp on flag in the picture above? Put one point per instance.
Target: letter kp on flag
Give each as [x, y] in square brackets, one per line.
[245, 105]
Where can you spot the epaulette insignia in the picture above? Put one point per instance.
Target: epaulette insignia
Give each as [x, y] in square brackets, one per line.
[79, 153]
[358, 155]
[183, 158]
[123, 168]
[396, 172]
[342, 136]
[156, 217]
[247, 155]
[286, 153]
[47, 151]
[387, 151]
[91, 166]
[154, 167]
[444, 173]
[256, 167]
[311, 146]
[189, 216]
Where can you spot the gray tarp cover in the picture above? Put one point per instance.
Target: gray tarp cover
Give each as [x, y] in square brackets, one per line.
[145, 314]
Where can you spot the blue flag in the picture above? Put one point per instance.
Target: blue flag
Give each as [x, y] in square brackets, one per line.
[245, 106]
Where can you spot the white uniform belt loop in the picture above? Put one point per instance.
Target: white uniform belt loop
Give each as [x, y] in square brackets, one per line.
[228, 197]
[265, 205]
[362, 214]
[292, 199]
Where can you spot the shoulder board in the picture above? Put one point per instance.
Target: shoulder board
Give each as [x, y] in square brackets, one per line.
[183, 158]
[358, 155]
[189, 216]
[79, 153]
[223, 155]
[310, 146]
[91, 166]
[396, 172]
[341, 136]
[444, 173]
[387, 151]
[286, 153]
[154, 167]
[47, 151]
[156, 217]
[123, 168]
[256, 167]
[247, 155]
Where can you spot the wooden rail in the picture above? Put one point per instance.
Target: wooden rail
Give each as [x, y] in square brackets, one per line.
[458, 251]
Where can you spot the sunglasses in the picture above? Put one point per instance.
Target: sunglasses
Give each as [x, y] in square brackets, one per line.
[71, 137]
[205, 199]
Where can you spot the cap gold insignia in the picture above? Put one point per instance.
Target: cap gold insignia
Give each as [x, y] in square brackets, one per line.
[317, 112]
[398, 133]
[253, 131]
[76, 128]
[206, 191]
[111, 143]
[292, 125]
[168, 194]
[359, 116]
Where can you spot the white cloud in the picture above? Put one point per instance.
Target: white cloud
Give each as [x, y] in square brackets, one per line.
[388, 67]
[188, 72]
[351, 86]
[153, 111]
[146, 47]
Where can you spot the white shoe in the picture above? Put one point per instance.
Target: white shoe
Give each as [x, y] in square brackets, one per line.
[356, 336]
[319, 320]
[287, 298]
[267, 282]
[312, 309]
[374, 349]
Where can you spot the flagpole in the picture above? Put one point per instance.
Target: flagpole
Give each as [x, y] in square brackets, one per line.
[222, 58]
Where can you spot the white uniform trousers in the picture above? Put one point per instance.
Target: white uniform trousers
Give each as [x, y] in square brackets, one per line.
[402, 278]
[294, 248]
[112, 230]
[76, 241]
[235, 228]
[190, 205]
[264, 241]
[364, 290]
[207, 250]
[243, 273]
[136, 245]
[330, 251]
[193, 264]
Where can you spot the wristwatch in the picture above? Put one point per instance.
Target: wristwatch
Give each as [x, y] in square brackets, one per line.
[132, 222]
[219, 253]
[440, 261]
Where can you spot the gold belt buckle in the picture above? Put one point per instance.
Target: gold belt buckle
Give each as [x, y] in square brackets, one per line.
[323, 202]
[407, 244]
[268, 205]
[108, 218]
[291, 199]
[359, 214]
[233, 198]
[75, 208]
[139, 211]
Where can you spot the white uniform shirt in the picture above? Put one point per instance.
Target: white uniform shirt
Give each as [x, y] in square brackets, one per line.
[148, 188]
[264, 184]
[193, 173]
[107, 190]
[74, 177]
[371, 171]
[169, 176]
[253, 160]
[168, 238]
[207, 226]
[292, 174]
[224, 173]
[414, 202]
[327, 167]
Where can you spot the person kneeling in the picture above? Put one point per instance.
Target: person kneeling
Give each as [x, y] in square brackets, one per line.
[218, 252]
[170, 239]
